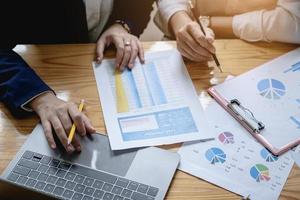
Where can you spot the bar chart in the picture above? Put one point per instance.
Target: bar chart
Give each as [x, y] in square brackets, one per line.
[139, 88]
[294, 68]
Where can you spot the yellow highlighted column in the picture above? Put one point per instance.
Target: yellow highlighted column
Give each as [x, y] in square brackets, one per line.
[122, 102]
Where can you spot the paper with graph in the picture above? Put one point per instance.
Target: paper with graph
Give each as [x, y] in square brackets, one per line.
[272, 93]
[152, 104]
[235, 161]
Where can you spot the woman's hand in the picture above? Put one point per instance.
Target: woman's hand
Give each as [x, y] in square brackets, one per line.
[59, 115]
[128, 46]
[191, 42]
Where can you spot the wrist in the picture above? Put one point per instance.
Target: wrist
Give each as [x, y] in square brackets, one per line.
[124, 25]
[222, 27]
[41, 99]
[118, 28]
[179, 20]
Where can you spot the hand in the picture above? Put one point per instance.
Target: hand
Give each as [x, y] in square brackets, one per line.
[192, 43]
[126, 54]
[59, 114]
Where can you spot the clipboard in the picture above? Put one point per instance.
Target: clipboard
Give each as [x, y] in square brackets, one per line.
[286, 65]
[257, 133]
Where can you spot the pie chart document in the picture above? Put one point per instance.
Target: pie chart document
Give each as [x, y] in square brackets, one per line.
[272, 92]
[234, 160]
[152, 104]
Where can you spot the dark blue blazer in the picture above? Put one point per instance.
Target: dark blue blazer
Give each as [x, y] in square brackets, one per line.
[48, 22]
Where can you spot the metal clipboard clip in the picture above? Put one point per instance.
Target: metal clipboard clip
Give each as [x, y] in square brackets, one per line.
[245, 116]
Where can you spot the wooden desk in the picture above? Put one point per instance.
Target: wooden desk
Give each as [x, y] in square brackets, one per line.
[67, 69]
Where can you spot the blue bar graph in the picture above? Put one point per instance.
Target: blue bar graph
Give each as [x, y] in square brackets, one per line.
[296, 120]
[294, 68]
[133, 91]
[153, 84]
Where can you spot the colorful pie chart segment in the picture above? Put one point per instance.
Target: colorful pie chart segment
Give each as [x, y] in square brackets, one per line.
[271, 88]
[226, 138]
[215, 155]
[268, 156]
[260, 172]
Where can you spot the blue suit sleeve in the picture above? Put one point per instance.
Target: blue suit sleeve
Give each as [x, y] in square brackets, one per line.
[18, 82]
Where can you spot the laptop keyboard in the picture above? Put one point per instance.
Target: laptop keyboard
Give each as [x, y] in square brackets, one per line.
[70, 181]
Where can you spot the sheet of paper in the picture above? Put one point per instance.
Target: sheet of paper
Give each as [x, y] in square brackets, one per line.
[296, 155]
[152, 104]
[271, 92]
[234, 160]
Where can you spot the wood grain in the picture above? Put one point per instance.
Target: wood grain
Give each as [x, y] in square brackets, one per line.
[68, 70]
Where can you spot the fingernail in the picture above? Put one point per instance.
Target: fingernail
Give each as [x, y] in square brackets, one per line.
[130, 65]
[53, 146]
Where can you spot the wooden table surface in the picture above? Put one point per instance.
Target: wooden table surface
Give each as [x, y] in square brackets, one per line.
[68, 70]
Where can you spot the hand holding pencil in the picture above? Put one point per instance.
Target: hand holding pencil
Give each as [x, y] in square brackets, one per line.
[192, 42]
[73, 128]
[57, 117]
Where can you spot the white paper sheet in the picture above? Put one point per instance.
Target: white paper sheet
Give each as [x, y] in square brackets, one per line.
[296, 155]
[234, 160]
[159, 103]
[272, 93]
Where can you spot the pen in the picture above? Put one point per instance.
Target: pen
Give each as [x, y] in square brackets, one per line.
[72, 131]
[203, 31]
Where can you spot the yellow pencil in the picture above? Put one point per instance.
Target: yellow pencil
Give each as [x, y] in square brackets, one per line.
[72, 131]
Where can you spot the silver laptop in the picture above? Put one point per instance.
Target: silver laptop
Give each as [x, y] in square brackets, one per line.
[95, 173]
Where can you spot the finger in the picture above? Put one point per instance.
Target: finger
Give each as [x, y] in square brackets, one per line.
[120, 50]
[194, 47]
[48, 133]
[141, 52]
[61, 134]
[76, 143]
[64, 117]
[89, 127]
[185, 54]
[100, 49]
[210, 35]
[197, 34]
[134, 53]
[77, 119]
[185, 50]
[126, 56]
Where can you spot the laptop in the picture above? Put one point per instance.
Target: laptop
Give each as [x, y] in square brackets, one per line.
[95, 173]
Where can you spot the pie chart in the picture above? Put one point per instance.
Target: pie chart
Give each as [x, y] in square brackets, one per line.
[271, 88]
[260, 172]
[226, 138]
[268, 156]
[215, 155]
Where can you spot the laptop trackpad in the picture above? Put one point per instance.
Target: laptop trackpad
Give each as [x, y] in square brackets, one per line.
[96, 154]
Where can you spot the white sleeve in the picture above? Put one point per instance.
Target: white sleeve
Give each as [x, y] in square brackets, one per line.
[281, 24]
[167, 8]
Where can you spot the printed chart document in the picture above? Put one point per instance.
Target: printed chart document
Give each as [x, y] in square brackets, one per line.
[235, 161]
[272, 93]
[152, 104]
